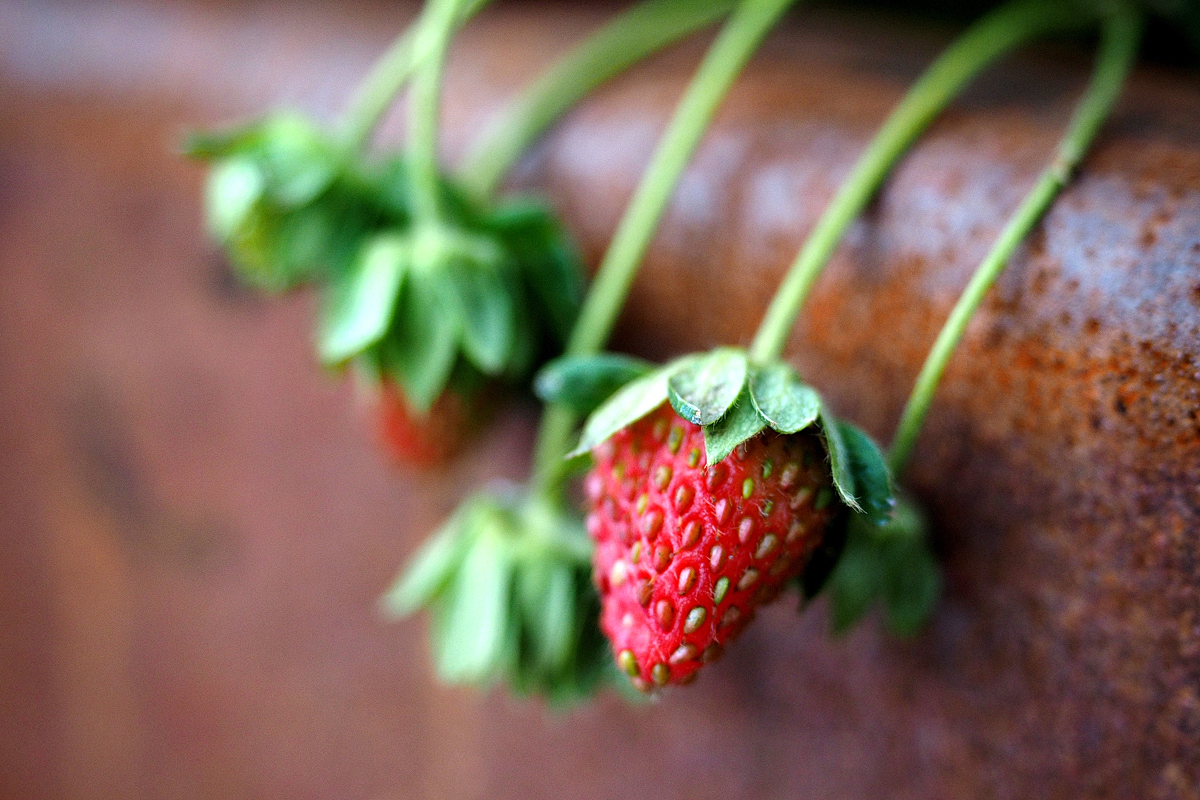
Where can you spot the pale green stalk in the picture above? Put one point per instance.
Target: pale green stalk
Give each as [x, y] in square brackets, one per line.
[999, 32]
[1118, 49]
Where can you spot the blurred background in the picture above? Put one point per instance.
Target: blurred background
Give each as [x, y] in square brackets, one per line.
[196, 521]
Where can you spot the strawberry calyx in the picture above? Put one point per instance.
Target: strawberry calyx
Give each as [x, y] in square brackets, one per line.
[291, 208]
[733, 400]
[279, 200]
[490, 289]
[508, 581]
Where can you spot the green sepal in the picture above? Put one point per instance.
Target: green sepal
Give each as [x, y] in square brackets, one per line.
[473, 621]
[359, 306]
[548, 259]
[389, 188]
[517, 605]
[840, 467]
[702, 391]
[312, 242]
[547, 593]
[891, 564]
[421, 346]
[252, 249]
[584, 382]
[857, 579]
[784, 401]
[526, 338]
[231, 194]
[627, 405]
[486, 309]
[431, 568]
[223, 142]
[912, 578]
[873, 485]
[740, 423]
[300, 160]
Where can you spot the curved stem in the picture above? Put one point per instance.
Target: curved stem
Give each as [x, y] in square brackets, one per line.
[1000, 31]
[617, 45]
[434, 30]
[387, 77]
[738, 40]
[1117, 51]
[724, 60]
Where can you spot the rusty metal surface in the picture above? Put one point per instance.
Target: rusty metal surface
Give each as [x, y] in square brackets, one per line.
[195, 523]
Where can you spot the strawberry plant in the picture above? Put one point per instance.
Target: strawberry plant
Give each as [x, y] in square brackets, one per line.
[713, 482]
[684, 554]
[540, 532]
[436, 291]
[721, 476]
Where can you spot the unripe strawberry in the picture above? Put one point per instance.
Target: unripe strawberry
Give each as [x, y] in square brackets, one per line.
[685, 552]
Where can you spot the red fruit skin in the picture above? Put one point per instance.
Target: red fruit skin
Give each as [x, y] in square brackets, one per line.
[656, 511]
[426, 441]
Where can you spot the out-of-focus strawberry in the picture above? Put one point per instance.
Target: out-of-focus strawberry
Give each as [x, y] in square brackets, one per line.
[425, 440]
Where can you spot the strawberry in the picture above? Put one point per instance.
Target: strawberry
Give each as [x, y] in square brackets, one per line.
[685, 551]
[423, 441]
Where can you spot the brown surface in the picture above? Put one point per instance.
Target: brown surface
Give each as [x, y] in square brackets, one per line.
[195, 523]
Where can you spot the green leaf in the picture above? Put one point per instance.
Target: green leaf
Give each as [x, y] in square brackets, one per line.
[547, 258]
[299, 160]
[526, 338]
[630, 403]
[486, 308]
[252, 249]
[839, 460]
[473, 626]
[234, 187]
[739, 424]
[872, 480]
[422, 344]
[704, 390]
[361, 304]
[431, 568]
[855, 581]
[548, 608]
[890, 562]
[783, 400]
[912, 579]
[912, 585]
[233, 140]
[584, 382]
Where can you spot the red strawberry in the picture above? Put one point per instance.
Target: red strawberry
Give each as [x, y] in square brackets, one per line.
[429, 440]
[685, 552]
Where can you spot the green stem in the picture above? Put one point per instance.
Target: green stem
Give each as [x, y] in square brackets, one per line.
[619, 44]
[553, 443]
[992, 36]
[384, 82]
[434, 31]
[733, 47]
[1117, 51]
